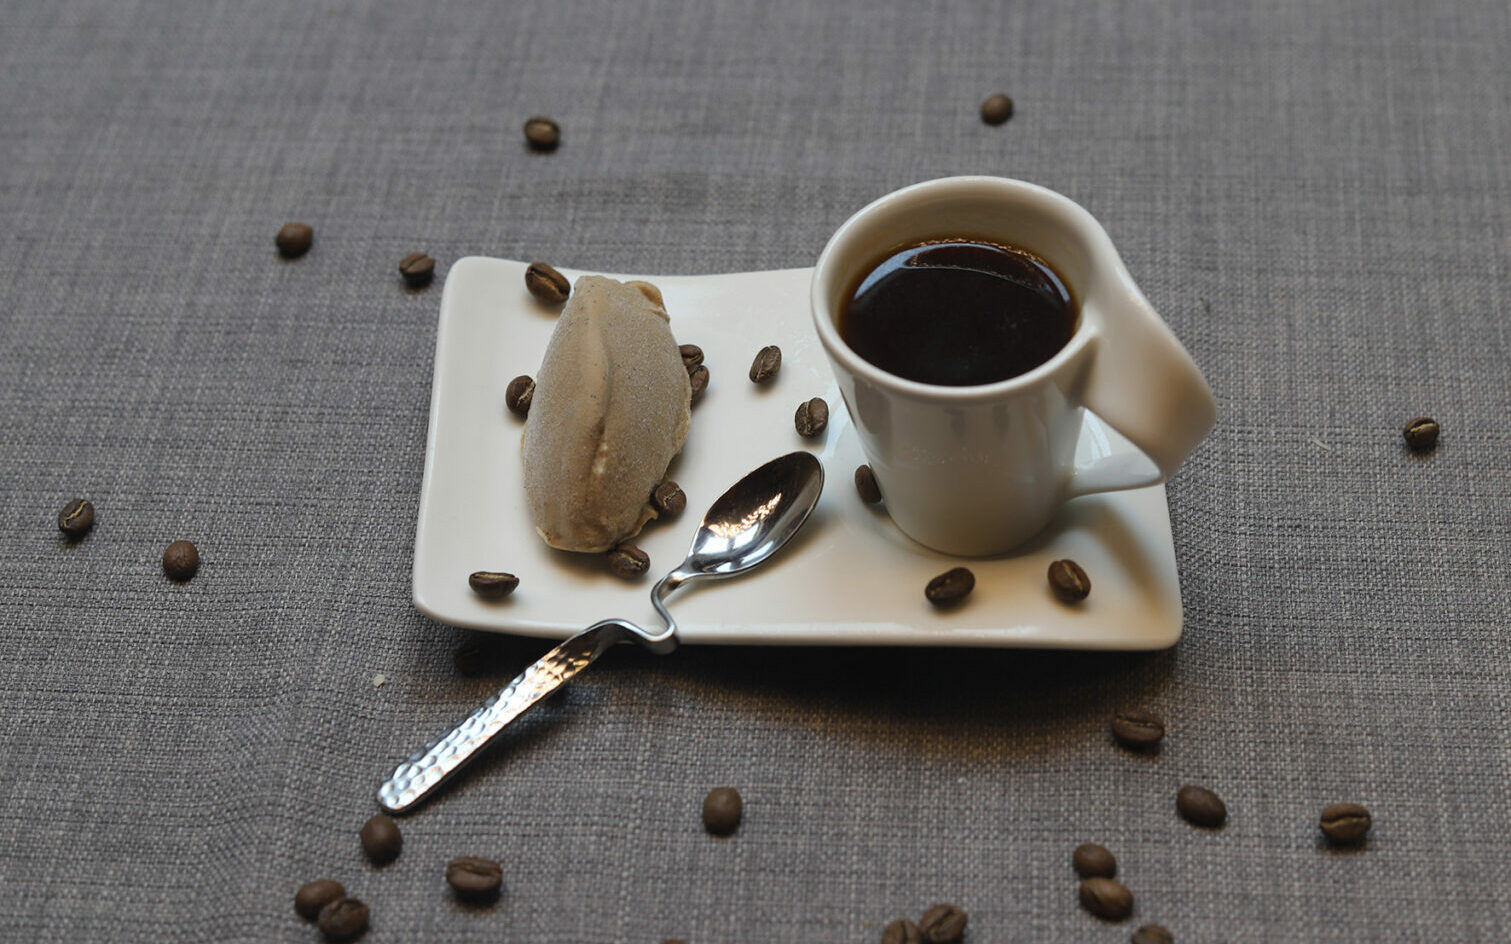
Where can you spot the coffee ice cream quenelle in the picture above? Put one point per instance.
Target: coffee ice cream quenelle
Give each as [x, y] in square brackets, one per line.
[610, 412]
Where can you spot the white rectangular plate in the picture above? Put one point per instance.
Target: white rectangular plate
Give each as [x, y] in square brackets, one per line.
[850, 578]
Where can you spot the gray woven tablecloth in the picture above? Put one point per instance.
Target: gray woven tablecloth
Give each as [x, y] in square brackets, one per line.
[1316, 196]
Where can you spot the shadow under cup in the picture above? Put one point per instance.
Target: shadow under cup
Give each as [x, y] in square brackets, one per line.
[967, 470]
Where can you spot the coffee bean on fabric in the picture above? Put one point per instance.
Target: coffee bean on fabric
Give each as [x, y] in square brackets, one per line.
[1345, 823]
[294, 240]
[547, 285]
[417, 269]
[381, 839]
[1137, 730]
[901, 931]
[542, 133]
[474, 878]
[312, 896]
[811, 417]
[1421, 433]
[996, 109]
[1201, 807]
[1153, 934]
[865, 484]
[766, 364]
[1106, 898]
[950, 587]
[343, 919]
[1093, 861]
[1069, 581]
[181, 561]
[76, 518]
[723, 809]
[942, 924]
[520, 394]
[492, 584]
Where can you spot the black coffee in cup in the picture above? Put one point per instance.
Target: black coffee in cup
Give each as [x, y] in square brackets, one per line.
[957, 312]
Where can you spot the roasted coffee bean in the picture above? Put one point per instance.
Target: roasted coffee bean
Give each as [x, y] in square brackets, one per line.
[312, 896]
[1201, 807]
[901, 931]
[950, 587]
[1093, 861]
[699, 379]
[417, 269]
[668, 498]
[76, 518]
[1137, 730]
[1106, 898]
[1153, 934]
[479, 654]
[342, 919]
[542, 133]
[996, 109]
[1069, 581]
[381, 839]
[865, 483]
[811, 417]
[942, 924]
[722, 809]
[628, 561]
[294, 240]
[1421, 433]
[1345, 823]
[181, 561]
[492, 584]
[692, 355]
[519, 395]
[766, 364]
[547, 285]
[474, 878]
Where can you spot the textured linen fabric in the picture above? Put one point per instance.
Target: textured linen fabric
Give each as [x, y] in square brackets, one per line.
[1315, 195]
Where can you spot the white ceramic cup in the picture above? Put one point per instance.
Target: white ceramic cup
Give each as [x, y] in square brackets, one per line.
[978, 470]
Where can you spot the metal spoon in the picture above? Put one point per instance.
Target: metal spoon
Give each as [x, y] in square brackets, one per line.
[744, 527]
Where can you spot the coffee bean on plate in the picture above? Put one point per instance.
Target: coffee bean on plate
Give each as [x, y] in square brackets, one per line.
[811, 417]
[950, 587]
[698, 376]
[1153, 934]
[381, 839]
[1201, 807]
[996, 109]
[547, 285]
[542, 133]
[181, 561]
[628, 561]
[294, 240]
[865, 483]
[1069, 581]
[417, 269]
[1137, 730]
[722, 809]
[76, 518]
[692, 355]
[1106, 898]
[1421, 433]
[766, 364]
[668, 498]
[901, 931]
[312, 896]
[1093, 861]
[474, 878]
[342, 919]
[492, 584]
[1345, 823]
[942, 924]
[519, 394]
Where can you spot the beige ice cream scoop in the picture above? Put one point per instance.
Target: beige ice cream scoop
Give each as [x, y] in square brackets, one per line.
[610, 411]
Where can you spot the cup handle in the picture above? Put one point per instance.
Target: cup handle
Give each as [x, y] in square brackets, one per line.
[1139, 380]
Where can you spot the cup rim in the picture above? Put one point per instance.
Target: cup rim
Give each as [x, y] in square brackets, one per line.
[1077, 217]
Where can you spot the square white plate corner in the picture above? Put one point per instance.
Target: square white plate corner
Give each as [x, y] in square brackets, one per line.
[850, 578]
